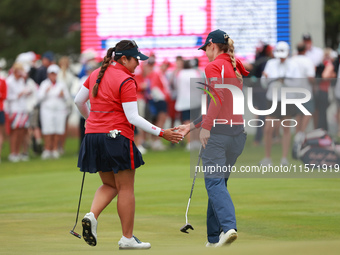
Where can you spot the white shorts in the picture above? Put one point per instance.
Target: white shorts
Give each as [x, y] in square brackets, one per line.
[52, 121]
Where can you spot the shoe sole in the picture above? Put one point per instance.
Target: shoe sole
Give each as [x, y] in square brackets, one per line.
[133, 248]
[89, 238]
[231, 239]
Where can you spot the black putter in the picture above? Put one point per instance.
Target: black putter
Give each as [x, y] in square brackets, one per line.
[81, 192]
[187, 225]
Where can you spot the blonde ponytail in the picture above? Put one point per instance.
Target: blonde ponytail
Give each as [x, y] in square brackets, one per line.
[231, 53]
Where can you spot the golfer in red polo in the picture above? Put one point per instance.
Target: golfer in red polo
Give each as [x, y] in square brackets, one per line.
[108, 146]
[222, 143]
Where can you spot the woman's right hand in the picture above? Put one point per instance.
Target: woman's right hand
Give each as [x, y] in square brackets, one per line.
[172, 136]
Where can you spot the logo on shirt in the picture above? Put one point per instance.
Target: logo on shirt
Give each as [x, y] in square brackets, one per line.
[209, 93]
[239, 100]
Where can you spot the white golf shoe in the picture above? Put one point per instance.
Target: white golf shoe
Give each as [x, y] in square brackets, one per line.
[89, 224]
[227, 238]
[266, 162]
[132, 243]
[46, 154]
[209, 245]
[284, 162]
[55, 154]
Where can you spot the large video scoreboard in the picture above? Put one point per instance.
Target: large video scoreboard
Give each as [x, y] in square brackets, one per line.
[170, 28]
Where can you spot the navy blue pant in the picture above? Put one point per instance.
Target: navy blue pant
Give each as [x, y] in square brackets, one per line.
[260, 103]
[322, 104]
[221, 150]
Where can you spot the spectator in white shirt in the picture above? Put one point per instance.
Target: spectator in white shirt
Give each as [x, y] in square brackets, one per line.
[188, 100]
[307, 75]
[279, 72]
[314, 53]
[53, 96]
[67, 77]
[17, 94]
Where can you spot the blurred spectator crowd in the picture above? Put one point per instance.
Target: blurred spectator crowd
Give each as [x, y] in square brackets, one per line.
[37, 92]
[36, 96]
[302, 66]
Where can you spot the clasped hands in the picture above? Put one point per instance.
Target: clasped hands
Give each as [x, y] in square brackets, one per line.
[176, 134]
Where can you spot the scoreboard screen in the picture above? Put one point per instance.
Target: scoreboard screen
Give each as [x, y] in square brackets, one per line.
[170, 28]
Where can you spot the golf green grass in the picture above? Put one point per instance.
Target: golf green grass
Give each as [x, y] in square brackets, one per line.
[275, 215]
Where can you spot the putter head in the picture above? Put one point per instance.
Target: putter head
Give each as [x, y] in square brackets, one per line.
[186, 227]
[75, 234]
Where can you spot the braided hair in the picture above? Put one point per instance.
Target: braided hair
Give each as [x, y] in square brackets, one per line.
[228, 47]
[124, 44]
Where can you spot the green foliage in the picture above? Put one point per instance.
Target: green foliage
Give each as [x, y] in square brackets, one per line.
[332, 22]
[39, 25]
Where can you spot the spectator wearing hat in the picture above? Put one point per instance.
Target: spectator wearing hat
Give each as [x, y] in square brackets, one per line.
[28, 60]
[279, 72]
[314, 53]
[53, 96]
[41, 73]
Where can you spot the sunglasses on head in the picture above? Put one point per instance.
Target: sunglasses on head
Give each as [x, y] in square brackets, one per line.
[134, 44]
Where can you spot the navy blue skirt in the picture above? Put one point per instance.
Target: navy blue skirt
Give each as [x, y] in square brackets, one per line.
[98, 152]
[2, 117]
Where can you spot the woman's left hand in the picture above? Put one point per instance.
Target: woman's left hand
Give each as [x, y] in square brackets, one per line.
[204, 137]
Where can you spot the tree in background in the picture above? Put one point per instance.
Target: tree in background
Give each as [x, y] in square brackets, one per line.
[39, 25]
[332, 22]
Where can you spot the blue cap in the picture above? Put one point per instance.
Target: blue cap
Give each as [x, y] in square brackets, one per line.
[133, 52]
[216, 36]
[49, 55]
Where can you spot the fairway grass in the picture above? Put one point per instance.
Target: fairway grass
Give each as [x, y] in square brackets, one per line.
[275, 216]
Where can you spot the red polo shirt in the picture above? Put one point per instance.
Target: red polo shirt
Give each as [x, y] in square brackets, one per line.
[3, 93]
[222, 67]
[116, 87]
